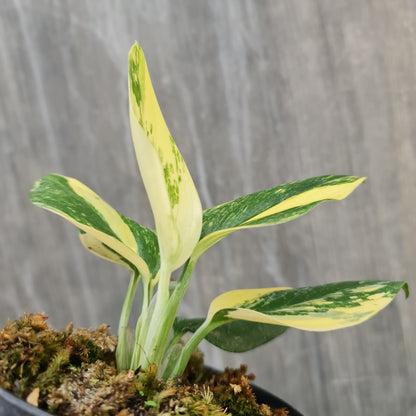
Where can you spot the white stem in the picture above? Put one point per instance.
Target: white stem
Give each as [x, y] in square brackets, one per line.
[123, 347]
[154, 342]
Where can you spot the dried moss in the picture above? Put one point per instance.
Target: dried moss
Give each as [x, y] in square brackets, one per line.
[93, 389]
[72, 372]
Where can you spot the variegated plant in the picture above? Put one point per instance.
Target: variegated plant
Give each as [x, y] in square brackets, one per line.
[238, 320]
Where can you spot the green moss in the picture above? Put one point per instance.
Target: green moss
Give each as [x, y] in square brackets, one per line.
[32, 355]
[72, 372]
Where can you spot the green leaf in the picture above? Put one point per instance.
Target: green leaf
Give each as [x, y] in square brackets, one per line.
[319, 308]
[272, 206]
[174, 200]
[103, 230]
[234, 336]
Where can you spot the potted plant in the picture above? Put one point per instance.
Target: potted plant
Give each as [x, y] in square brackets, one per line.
[157, 351]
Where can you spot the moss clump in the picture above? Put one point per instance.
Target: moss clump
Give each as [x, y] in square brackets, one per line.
[72, 372]
[232, 389]
[93, 389]
[34, 356]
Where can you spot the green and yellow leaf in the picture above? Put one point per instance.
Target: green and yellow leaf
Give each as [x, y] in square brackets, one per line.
[319, 308]
[104, 231]
[98, 248]
[174, 200]
[272, 206]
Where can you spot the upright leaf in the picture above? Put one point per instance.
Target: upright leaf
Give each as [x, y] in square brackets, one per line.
[319, 308]
[174, 200]
[272, 206]
[106, 232]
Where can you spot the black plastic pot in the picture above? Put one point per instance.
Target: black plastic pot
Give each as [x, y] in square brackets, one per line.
[263, 396]
[12, 406]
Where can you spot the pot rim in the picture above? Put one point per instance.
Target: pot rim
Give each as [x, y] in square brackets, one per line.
[8, 397]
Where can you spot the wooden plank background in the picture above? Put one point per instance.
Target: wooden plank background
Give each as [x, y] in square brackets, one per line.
[256, 93]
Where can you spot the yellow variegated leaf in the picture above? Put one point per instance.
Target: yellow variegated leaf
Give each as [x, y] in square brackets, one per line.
[101, 250]
[321, 193]
[319, 308]
[107, 212]
[174, 200]
[105, 230]
[272, 206]
[238, 297]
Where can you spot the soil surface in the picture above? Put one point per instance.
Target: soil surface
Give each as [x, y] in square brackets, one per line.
[72, 372]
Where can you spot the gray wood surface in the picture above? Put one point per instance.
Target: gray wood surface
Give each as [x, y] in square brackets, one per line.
[256, 93]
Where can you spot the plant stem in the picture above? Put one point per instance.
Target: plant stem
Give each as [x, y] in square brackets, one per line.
[163, 317]
[191, 345]
[123, 348]
[180, 289]
[174, 340]
[153, 323]
[141, 328]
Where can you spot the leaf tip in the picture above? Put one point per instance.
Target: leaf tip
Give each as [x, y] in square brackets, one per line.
[405, 288]
[135, 51]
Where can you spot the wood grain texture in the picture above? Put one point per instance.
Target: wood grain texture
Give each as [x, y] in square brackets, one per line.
[255, 93]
